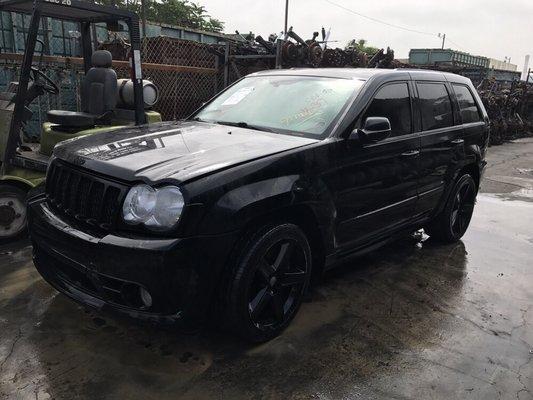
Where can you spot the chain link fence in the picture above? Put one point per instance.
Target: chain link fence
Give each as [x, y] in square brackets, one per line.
[185, 72]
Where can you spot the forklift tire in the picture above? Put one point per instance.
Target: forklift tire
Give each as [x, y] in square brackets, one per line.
[13, 217]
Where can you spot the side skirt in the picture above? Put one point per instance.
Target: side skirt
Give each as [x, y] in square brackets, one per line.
[338, 257]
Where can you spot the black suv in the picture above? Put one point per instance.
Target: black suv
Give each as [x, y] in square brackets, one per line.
[228, 213]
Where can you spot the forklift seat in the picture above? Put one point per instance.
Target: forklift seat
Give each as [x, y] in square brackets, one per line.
[98, 96]
[71, 119]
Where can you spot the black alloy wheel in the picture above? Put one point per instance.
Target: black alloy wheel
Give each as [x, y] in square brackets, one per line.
[462, 207]
[269, 282]
[451, 224]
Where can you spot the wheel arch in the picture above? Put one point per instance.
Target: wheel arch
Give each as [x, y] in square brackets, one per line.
[303, 216]
[473, 170]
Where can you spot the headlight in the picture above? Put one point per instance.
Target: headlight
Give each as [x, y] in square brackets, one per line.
[157, 209]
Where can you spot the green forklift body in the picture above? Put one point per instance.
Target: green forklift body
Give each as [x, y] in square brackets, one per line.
[50, 137]
[25, 176]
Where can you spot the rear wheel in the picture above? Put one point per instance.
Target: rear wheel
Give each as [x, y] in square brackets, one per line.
[451, 224]
[13, 218]
[268, 282]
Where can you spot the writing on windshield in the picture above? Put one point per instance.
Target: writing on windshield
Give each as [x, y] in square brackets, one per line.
[299, 105]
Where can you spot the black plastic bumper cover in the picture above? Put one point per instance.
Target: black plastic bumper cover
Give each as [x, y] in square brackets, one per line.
[181, 275]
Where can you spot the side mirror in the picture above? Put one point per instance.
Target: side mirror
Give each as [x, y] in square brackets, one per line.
[375, 129]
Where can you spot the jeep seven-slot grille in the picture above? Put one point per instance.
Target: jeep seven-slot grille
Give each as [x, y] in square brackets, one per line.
[82, 196]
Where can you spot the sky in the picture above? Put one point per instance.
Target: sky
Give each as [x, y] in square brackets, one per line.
[491, 28]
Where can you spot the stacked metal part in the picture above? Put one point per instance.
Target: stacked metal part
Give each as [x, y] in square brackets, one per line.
[510, 109]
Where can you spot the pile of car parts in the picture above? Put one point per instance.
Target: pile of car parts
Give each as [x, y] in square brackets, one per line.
[296, 52]
[510, 109]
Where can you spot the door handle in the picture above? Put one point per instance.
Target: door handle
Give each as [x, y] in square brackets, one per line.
[411, 153]
[457, 142]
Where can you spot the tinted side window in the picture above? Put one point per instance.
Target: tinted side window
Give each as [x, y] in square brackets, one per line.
[435, 106]
[392, 101]
[467, 104]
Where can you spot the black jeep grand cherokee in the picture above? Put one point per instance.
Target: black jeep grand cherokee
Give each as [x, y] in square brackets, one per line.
[281, 175]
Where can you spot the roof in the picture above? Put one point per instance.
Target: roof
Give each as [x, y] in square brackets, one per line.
[366, 73]
[74, 10]
[345, 73]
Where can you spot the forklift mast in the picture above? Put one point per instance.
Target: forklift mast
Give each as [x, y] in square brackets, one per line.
[85, 13]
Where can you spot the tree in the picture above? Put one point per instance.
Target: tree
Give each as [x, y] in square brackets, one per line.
[361, 45]
[173, 12]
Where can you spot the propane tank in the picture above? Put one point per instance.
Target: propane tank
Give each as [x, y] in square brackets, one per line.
[125, 94]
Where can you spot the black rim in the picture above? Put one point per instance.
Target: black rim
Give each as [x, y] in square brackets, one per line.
[463, 206]
[278, 284]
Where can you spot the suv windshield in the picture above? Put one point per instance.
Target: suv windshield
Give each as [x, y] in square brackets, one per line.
[294, 105]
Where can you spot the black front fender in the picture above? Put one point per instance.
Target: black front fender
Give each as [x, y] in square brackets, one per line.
[239, 207]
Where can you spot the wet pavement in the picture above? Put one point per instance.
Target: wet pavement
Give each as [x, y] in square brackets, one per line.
[415, 320]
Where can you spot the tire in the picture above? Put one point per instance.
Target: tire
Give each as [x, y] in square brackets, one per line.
[268, 282]
[13, 217]
[453, 221]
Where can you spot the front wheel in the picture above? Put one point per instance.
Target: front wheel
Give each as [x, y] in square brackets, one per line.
[13, 218]
[451, 224]
[268, 282]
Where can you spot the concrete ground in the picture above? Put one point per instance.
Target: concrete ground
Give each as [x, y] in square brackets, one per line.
[411, 321]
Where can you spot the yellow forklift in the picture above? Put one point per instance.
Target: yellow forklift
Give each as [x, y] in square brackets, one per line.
[106, 102]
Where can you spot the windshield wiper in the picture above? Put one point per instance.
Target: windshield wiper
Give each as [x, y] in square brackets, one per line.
[245, 125]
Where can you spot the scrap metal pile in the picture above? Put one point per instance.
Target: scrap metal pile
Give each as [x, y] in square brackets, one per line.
[510, 109]
[253, 52]
[297, 52]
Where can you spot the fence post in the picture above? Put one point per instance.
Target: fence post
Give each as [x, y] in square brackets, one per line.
[279, 44]
[14, 24]
[226, 65]
[216, 75]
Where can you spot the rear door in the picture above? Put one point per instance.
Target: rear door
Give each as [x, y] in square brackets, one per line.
[475, 128]
[441, 142]
[377, 183]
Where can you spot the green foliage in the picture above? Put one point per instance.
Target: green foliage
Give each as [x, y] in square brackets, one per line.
[361, 45]
[173, 12]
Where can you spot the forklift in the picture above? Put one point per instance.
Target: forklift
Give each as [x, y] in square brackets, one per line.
[106, 103]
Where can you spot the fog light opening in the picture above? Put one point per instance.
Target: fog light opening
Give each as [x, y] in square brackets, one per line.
[136, 296]
[146, 298]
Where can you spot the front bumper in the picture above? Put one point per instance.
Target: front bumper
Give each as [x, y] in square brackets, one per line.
[107, 272]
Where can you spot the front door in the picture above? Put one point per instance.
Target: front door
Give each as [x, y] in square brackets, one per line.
[377, 183]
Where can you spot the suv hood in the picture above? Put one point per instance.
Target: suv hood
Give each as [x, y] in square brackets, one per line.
[172, 150]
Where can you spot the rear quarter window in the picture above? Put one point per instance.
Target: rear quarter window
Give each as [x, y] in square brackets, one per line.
[435, 105]
[467, 105]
